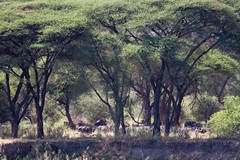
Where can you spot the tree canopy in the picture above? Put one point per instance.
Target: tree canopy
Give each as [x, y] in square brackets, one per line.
[171, 45]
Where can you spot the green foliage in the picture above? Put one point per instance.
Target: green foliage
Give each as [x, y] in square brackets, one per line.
[67, 81]
[216, 74]
[120, 30]
[27, 130]
[91, 108]
[125, 13]
[204, 107]
[41, 25]
[227, 122]
[217, 61]
[51, 113]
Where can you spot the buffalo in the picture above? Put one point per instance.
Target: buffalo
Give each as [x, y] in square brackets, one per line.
[101, 122]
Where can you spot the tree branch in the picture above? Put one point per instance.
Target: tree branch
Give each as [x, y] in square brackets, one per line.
[105, 102]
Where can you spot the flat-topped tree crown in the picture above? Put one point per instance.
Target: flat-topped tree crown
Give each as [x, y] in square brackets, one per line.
[33, 36]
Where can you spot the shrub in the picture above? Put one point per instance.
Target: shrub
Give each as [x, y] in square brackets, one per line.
[205, 107]
[227, 122]
[90, 107]
[51, 113]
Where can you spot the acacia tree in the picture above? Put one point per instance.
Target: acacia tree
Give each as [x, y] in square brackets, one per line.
[113, 72]
[38, 34]
[108, 57]
[194, 27]
[116, 17]
[210, 26]
[197, 28]
[18, 98]
[220, 73]
[214, 75]
[67, 84]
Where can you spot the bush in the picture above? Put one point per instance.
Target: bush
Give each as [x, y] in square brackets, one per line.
[51, 114]
[227, 122]
[91, 108]
[205, 107]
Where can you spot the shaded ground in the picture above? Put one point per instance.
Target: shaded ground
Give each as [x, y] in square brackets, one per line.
[211, 149]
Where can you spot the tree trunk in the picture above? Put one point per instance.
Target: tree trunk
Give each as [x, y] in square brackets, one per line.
[15, 104]
[123, 127]
[117, 125]
[177, 112]
[67, 108]
[168, 110]
[147, 106]
[157, 95]
[14, 120]
[118, 118]
[122, 121]
[40, 130]
[156, 115]
[176, 120]
[15, 127]
[147, 113]
[162, 107]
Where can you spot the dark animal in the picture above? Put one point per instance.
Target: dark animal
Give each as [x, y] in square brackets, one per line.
[80, 123]
[85, 129]
[101, 122]
[198, 125]
[194, 125]
[190, 124]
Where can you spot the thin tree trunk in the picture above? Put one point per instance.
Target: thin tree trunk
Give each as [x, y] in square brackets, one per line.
[156, 123]
[168, 110]
[147, 113]
[117, 126]
[177, 113]
[162, 107]
[147, 106]
[39, 112]
[122, 121]
[223, 87]
[67, 109]
[157, 95]
[118, 117]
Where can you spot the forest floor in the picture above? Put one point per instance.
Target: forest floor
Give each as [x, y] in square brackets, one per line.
[125, 148]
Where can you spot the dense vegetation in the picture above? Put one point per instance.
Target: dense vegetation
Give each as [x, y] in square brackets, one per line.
[104, 59]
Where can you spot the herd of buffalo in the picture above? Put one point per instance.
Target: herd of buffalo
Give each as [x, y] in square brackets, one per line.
[102, 126]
